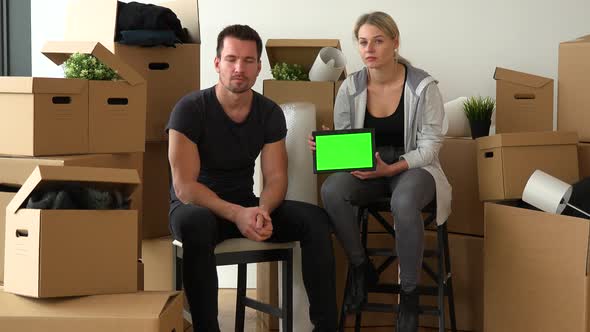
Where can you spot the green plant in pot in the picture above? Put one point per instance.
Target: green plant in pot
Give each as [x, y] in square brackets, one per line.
[87, 66]
[288, 72]
[479, 113]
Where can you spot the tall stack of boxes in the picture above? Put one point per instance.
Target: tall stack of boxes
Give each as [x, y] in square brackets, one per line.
[57, 131]
[536, 263]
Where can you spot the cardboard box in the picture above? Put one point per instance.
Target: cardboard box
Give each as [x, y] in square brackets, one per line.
[158, 259]
[136, 312]
[5, 198]
[467, 272]
[524, 102]
[506, 161]
[535, 270]
[43, 116]
[171, 73]
[116, 109]
[584, 159]
[14, 171]
[156, 191]
[458, 158]
[573, 100]
[53, 253]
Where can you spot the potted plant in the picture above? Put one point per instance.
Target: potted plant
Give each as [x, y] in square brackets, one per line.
[288, 72]
[479, 113]
[86, 66]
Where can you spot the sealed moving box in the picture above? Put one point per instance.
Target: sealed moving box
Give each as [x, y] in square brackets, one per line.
[535, 271]
[156, 191]
[506, 161]
[136, 312]
[63, 252]
[573, 100]
[524, 102]
[171, 72]
[14, 171]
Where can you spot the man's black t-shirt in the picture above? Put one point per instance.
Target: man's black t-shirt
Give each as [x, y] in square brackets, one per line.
[227, 149]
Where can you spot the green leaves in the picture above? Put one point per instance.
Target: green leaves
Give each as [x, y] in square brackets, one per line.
[288, 72]
[479, 108]
[88, 67]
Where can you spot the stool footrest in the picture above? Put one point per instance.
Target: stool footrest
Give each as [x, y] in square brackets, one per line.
[380, 307]
[396, 289]
[263, 307]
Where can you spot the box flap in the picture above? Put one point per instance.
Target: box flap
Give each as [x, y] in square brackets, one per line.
[96, 20]
[59, 52]
[13, 84]
[43, 176]
[298, 51]
[527, 139]
[583, 39]
[132, 305]
[502, 74]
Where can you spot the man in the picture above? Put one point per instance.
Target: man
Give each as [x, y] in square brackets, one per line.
[215, 136]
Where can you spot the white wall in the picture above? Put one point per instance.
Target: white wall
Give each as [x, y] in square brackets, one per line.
[460, 42]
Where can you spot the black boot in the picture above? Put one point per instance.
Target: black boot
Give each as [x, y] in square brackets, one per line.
[407, 319]
[362, 277]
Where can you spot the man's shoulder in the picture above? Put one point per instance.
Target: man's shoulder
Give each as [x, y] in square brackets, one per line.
[264, 103]
[195, 100]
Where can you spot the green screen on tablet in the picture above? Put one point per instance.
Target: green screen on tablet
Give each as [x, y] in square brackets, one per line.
[344, 150]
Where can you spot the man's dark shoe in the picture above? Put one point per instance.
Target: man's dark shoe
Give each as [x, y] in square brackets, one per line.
[362, 278]
[407, 319]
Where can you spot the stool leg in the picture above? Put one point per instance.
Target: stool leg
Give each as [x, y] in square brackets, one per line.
[449, 283]
[441, 280]
[287, 307]
[240, 306]
[357, 321]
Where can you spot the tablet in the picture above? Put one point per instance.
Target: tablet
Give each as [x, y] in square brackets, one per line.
[344, 150]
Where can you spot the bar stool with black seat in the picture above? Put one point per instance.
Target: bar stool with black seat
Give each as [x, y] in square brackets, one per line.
[442, 278]
[242, 252]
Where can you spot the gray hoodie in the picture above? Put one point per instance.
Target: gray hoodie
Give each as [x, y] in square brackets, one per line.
[423, 113]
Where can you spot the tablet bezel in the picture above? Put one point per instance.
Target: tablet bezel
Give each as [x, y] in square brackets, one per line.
[343, 132]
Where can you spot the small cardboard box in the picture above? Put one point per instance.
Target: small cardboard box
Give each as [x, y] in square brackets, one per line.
[158, 260]
[43, 116]
[524, 102]
[573, 100]
[458, 158]
[170, 72]
[535, 271]
[156, 191]
[53, 253]
[14, 171]
[506, 161]
[136, 312]
[322, 94]
[116, 109]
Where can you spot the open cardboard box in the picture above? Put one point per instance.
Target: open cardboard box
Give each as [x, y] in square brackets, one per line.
[53, 253]
[506, 161]
[135, 312]
[14, 171]
[170, 72]
[524, 102]
[535, 270]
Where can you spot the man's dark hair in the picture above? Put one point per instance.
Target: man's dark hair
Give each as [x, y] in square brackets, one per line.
[241, 32]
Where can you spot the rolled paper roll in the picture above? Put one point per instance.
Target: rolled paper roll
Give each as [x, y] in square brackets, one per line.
[328, 65]
[546, 192]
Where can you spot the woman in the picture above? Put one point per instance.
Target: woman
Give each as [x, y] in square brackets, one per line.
[405, 107]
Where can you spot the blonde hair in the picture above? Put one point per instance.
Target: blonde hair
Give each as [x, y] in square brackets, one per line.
[383, 22]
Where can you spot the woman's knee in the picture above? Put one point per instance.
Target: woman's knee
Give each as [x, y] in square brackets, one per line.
[335, 186]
